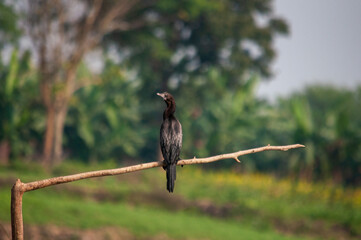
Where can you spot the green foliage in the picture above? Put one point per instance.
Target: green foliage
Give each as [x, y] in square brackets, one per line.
[105, 125]
[11, 75]
[327, 121]
[184, 38]
[8, 28]
[218, 117]
[20, 119]
[113, 119]
[209, 55]
[203, 52]
[340, 133]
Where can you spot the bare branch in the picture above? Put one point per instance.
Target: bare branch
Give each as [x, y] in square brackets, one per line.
[235, 155]
[126, 25]
[19, 188]
[94, 13]
[101, 173]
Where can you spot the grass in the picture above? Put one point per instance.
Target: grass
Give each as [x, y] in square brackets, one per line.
[259, 204]
[142, 221]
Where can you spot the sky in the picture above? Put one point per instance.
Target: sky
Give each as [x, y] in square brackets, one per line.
[324, 46]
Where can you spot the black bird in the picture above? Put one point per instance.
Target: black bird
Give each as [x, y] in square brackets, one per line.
[170, 139]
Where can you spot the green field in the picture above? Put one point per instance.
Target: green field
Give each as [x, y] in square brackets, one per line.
[205, 205]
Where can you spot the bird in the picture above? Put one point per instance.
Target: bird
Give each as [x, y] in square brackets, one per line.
[170, 139]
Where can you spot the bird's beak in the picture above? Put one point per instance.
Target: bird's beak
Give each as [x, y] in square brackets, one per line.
[161, 95]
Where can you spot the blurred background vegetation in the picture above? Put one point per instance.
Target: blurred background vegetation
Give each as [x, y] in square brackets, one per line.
[82, 90]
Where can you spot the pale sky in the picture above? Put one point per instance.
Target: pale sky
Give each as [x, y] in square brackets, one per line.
[324, 46]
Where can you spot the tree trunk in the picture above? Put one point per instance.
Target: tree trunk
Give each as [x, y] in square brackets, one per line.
[60, 116]
[49, 135]
[57, 108]
[4, 152]
[53, 150]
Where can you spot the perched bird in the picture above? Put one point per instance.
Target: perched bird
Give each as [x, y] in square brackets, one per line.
[170, 139]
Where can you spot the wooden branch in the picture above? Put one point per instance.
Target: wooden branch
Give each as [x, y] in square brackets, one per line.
[20, 188]
[126, 25]
[101, 173]
[235, 155]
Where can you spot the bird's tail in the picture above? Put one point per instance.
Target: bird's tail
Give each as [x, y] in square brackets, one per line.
[171, 176]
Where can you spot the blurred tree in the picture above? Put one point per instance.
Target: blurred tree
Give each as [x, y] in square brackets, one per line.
[62, 31]
[8, 29]
[188, 39]
[327, 121]
[216, 116]
[304, 132]
[102, 126]
[176, 38]
[19, 118]
[338, 119]
[8, 72]
[8, 77]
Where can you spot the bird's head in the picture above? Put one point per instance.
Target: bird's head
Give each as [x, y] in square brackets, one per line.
[168, 98]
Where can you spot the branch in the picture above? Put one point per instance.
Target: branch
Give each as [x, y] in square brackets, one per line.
[101, 173]
[235, 155]
[126, 25]
[19, 188]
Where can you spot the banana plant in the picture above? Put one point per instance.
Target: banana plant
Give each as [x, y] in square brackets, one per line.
[9, 75]
[16, 94]
[104, 117]
[304, 132]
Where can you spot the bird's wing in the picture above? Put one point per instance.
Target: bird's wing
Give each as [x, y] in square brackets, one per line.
[176, 141]
[171, 140]
[165, 141]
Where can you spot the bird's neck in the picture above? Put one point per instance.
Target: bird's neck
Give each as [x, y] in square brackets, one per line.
[169, 111]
